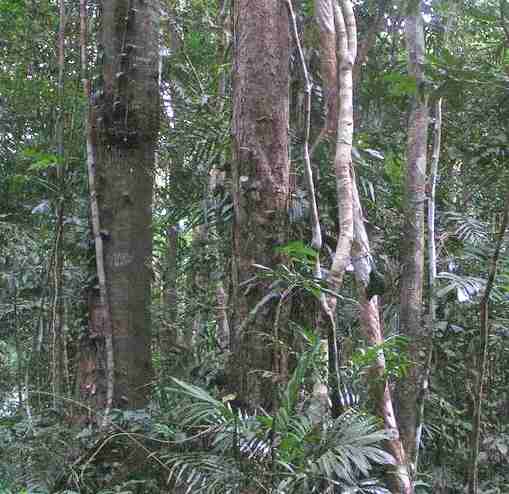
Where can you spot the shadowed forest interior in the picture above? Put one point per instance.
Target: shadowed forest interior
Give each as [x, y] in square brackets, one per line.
[254, 247]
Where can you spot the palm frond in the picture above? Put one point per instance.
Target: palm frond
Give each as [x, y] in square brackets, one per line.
[467, 288]
[466, 228]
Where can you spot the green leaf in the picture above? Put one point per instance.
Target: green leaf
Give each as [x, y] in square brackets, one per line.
[298, 250]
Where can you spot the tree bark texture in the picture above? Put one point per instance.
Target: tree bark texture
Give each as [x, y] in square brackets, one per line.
[126, 127]
[260, 188]
[412, 256]
[324, 14]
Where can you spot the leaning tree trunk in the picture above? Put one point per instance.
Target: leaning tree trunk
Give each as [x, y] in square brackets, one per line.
[371, 327]
[260, 189]
[412, 257]
[126, 106]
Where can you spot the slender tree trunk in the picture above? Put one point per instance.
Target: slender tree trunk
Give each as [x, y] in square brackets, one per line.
[222, 325]
[338, 44]
[57, 305]
[260, 189]
[432, 274]
[57, 311]
[371, 327]
[412, 256]
[17, 344]
[482, 357]
[346, 33]
[170, 334]
[223, 37]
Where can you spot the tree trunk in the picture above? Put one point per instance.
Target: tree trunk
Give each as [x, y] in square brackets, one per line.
[432, 274]
[412, 256]
[126, 130]
[170, 334]
[344, 20]
[260, 188]
[482, 356]
[324, 15]
[338, 43]
[371, 327]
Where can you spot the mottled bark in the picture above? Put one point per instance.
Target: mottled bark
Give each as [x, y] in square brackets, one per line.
[126, 106]
[412, 256]
[260, 189]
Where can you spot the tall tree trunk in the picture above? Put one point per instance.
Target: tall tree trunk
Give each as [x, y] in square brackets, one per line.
[412, 256]
[57, 306]
[126, 129]
[346, 33]
[432, 274]
[482, 356]
[260, 188]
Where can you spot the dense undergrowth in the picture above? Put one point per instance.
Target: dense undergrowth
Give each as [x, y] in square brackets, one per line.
[197, 441]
